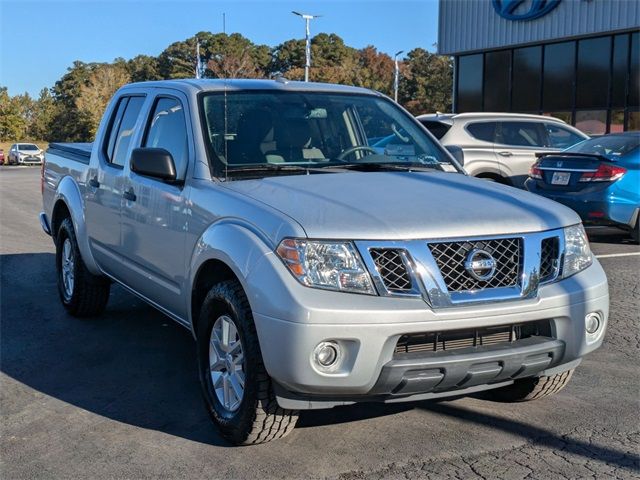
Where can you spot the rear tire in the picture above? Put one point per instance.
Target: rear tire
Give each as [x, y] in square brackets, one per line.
[635, 233]
[81, 293]
[250, 414]
[534, 388]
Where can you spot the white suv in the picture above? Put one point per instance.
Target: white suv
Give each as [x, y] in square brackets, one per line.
[501, 146]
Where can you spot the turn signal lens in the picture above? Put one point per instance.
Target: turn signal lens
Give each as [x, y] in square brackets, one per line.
[605, 173]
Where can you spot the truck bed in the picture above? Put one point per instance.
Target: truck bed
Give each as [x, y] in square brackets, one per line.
[80, 152]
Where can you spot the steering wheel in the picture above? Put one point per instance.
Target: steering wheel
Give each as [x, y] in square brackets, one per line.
[357, 148]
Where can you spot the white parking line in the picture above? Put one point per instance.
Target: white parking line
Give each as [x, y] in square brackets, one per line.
[611, 255]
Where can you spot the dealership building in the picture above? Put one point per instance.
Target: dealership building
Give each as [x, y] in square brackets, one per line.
[577, 60]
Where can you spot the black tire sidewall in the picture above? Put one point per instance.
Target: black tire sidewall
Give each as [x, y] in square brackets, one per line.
[66, 232]
[223, 299]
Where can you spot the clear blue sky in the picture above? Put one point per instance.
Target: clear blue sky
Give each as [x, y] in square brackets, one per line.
[39, 40]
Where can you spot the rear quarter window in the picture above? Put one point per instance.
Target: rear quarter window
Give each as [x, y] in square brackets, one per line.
[485, 131]
[437, 129]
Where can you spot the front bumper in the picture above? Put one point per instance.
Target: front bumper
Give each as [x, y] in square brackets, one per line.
[368, 328]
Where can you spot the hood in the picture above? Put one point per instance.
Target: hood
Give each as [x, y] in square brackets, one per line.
[404, 205]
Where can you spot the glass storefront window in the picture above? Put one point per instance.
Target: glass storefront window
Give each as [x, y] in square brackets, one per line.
[617, 121]
[634, 79]
[592, 82]
[592, 122]
[620, 70]
[634, 120]
[497, 75]
[469, 74]
[565, 116]
[559, 62]
[527, 79]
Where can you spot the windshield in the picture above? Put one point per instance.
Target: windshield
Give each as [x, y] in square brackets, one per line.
[28, 146]
[283, 131]
[610, 146]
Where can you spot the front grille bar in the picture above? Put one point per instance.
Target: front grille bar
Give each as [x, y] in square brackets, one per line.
[414, 271]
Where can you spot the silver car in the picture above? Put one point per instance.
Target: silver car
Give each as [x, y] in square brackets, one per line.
[501, 146]
[25, 154]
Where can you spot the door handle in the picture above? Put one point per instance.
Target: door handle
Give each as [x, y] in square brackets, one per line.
[505, 154]
[94, 183]
[129, 195]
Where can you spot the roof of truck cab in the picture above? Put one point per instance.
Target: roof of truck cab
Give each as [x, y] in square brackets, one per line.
[220, 85]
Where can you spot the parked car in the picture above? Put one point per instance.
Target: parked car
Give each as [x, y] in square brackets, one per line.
[312, 269]
[598, 178]
[25, 154]
[1, 156]
[501, 146]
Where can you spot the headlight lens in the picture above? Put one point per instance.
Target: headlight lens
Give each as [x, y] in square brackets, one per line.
[577, 254]
[326, 264]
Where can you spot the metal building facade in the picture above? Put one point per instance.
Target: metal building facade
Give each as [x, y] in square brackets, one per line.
[470, 25]
[574, 59]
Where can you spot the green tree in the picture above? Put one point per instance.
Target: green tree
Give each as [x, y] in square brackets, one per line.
[43, 113]
[427, 82]
[13, 124]
[143, 68]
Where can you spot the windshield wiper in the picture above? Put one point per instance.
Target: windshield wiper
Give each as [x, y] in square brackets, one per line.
[405, 167]
[272, 167]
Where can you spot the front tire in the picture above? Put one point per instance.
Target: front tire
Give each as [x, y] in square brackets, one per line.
[237, 390]
[534, 388]
[81, 293]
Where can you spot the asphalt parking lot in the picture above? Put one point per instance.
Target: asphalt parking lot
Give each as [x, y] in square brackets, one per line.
[118, 396]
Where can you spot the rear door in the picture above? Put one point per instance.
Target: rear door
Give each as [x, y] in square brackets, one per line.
[154, 215]
[517, 142]
[105, 184]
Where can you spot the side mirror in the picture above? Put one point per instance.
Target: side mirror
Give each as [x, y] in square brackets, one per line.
[456, 152]
[153, 162]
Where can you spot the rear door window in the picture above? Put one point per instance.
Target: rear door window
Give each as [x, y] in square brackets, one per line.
[561, 137]
[122, 129]
[167, 129]
[483, 131]
[522, 134]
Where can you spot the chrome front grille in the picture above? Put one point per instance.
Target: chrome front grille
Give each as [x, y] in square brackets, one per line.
[392, 269]
[451, 257]
[549, 258]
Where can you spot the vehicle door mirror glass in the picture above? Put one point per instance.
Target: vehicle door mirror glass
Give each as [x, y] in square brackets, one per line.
[456, 152]
[153, 162]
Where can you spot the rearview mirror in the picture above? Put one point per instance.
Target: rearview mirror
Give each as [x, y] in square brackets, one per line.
[456, 152]
[153, 162]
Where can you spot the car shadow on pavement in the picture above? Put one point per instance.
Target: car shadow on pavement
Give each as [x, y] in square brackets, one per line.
[132, 365]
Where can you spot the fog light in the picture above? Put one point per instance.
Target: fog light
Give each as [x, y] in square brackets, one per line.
[592, 322]
[326, 355]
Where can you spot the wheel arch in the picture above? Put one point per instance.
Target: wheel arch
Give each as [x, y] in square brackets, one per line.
[225, 251]
[68, 203]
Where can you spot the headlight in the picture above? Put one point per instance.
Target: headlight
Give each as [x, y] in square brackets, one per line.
[577, 254]
[326, 264]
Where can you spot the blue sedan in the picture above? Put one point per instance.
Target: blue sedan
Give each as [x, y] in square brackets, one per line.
[599, 178]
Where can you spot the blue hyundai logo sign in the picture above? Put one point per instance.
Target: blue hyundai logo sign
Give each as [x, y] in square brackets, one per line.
[510, 10]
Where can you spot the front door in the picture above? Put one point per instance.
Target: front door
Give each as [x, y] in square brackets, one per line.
[154, 213]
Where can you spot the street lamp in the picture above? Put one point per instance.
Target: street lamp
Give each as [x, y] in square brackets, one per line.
[396, 75]
[307, 48]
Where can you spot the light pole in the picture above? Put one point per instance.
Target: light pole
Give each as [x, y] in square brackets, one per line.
[307, 48]
[396, 75]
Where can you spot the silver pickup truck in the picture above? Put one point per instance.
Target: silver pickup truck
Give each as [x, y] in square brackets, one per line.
[313, 266]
